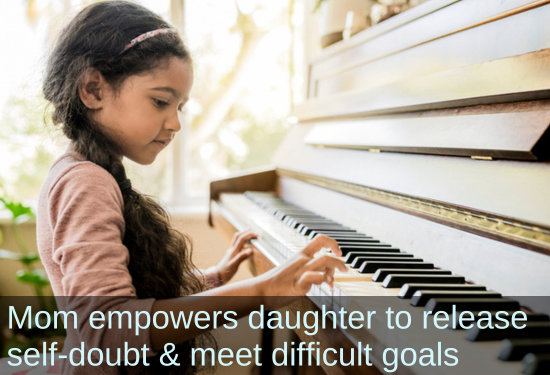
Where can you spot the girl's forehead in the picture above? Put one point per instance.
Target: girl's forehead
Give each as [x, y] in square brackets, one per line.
[176, 75]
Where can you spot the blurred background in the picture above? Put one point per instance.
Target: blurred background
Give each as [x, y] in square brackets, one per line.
[248, 57]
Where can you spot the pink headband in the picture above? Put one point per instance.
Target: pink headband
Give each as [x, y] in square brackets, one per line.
[147, 35]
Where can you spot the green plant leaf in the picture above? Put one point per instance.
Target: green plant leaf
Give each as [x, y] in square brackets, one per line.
[29, 258]
[34, 277]
[17, 209]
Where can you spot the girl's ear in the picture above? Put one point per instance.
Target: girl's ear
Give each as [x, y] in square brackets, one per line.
[92, 89]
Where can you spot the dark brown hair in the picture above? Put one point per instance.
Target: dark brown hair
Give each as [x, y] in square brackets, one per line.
[160, 256]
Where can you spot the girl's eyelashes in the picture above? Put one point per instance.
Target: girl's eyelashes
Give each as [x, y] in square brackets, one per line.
[160, 103]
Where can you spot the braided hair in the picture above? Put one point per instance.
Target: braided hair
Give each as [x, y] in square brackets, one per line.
[160, 256]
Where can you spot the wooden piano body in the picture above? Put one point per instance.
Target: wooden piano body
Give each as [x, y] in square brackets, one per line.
[431, 132]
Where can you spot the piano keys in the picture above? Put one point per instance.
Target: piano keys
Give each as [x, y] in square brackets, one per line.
[442, 292]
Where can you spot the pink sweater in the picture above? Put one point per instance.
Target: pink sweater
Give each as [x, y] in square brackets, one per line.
[80, 227]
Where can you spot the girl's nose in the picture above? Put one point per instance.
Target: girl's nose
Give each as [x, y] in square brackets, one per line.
[173, 123]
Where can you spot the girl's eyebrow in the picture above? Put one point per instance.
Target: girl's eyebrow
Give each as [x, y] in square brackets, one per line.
[168, 89]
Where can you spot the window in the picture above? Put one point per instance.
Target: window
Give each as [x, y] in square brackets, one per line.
[247, 57]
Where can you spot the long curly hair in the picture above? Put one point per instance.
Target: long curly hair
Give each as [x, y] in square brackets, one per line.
[160, 256]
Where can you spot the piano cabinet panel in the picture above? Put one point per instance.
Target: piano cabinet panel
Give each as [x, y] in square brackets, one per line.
[519, 135]
[429, 21]
[258, 180]
[507, 80]
[415, 49]
[508, 188]
[219, 222]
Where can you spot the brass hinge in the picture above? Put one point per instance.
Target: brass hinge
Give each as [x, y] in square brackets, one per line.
[482, 157]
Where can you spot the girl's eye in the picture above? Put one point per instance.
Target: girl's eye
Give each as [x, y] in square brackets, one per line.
[160, 103]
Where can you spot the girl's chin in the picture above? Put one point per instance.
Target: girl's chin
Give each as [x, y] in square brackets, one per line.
[143, 159]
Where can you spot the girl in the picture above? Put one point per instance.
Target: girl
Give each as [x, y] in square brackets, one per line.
[116, 79]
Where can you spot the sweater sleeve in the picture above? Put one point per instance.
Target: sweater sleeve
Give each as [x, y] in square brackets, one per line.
[85, 208]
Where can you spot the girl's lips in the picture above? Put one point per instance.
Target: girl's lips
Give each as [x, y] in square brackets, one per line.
[163, 143]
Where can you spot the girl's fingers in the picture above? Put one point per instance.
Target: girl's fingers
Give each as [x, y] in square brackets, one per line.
[330, 276]
[242, 238]
[242, 256]
[326, 262]
[237, 235]
[309, 278]
[322, 242]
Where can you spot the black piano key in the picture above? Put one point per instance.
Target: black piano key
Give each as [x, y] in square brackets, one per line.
[361, 242]
[446, 304]
[307, 228]
[516, 349]
[350, 257]
[532, 330]
[357, 242]
[408, 290]
[369, 249]
[536, 364]
[312, 233]
[366, 245]
[531, 317]
[304, 221]
[328, 227]
[371, 267]
[349, 236]
[421, 297]
[339, 235]
[328, 233]
[397, 280]
[382, 273]
[335, 227]
[292, 222]
[367, 258]
[313, 219]
[304, 215]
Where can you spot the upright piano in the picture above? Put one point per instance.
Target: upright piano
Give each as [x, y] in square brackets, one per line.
[423, 145]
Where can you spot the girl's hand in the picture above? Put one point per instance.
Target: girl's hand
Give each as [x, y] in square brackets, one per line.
[296, 276]
[236, 254]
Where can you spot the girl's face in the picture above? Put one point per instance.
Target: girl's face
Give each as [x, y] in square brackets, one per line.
[142, 118]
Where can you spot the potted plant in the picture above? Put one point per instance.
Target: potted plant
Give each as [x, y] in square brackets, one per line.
[30, 275]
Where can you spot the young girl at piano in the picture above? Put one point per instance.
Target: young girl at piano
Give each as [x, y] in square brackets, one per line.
[116, 79]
